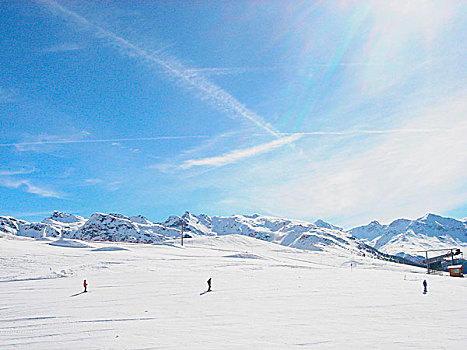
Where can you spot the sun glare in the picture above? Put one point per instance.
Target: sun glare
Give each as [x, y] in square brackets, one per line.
[412, 15]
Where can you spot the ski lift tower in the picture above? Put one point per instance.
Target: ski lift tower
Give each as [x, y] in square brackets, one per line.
[435, 263]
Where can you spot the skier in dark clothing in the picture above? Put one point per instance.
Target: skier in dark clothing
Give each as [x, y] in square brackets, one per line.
[85, 286]
[424, 286]
[209, 285]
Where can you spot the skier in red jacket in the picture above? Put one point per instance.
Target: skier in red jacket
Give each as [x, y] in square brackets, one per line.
[85, 285]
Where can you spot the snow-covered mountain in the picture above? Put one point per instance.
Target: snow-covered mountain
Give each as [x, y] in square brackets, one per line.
[287, 232]
[64, 224]
[12, 226]
[325, 224]
[192, 224]
[120, 228]
[402, 237]
[405, 237]
[368, 232]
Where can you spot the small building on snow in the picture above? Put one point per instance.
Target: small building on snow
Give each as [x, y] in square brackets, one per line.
[456, 270]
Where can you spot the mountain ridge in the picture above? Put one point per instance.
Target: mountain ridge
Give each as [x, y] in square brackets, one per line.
[138, 229]
[402, 237]
[405, 237]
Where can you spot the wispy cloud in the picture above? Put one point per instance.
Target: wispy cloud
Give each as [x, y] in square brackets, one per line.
[114, 185]
[404, 173]
[186, 76]
[211, 143]
[93, 181]
[30, 188]
[18, 171]
[8, 178]
[286, 138]
[108, 185]
[237, 155]
[125, 148]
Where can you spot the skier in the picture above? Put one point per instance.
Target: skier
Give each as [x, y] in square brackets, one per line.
[424, 286]
[85, 286]
[209, 285]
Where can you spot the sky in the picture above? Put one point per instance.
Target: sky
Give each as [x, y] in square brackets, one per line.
[347, 111]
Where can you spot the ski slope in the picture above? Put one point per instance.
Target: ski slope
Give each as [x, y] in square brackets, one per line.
[265, 296]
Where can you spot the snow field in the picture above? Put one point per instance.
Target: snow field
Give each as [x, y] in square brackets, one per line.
[264, 296]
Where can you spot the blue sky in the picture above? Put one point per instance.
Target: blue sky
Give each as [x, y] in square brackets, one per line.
[345, 111]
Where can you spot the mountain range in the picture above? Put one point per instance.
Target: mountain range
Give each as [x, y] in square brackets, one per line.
[408, 238]
[402, 238]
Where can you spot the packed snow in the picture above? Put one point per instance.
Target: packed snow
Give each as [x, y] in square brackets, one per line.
[265, 296]
[62, 242]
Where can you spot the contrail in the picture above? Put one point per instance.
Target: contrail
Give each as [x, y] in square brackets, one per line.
[218, 97]
[182, 137]
[229, 70]
[363, 132]
[54, 142]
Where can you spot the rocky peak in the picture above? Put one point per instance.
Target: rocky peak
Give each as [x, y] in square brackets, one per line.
[324, 224]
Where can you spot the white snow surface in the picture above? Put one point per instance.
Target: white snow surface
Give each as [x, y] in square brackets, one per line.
[265, 296]
[70, 243]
